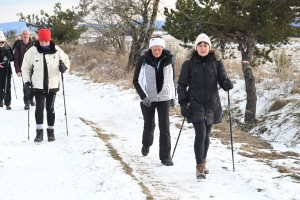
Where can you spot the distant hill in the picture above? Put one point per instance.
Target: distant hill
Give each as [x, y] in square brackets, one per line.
[16, 26]
[19, 26]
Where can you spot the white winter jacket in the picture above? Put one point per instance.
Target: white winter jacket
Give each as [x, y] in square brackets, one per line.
[33, 67]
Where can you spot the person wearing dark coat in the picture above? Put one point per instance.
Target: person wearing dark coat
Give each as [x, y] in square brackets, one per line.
[198, 95]
[6, 56]
[20, 50]
[154, 82]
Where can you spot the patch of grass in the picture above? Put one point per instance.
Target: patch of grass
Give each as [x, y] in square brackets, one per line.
[279, 104]
[255, 153]
[238, 135]
[291, 154]
[282, 169]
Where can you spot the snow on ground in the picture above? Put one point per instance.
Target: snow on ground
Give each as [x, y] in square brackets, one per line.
[80, 166]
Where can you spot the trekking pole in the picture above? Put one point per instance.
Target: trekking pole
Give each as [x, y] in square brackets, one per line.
[178, 138]
[230, 131]
[62, 78]
[28, 121]
[5, 85]
[14, 85]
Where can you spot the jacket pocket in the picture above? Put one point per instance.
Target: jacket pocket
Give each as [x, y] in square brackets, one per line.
[214, 103]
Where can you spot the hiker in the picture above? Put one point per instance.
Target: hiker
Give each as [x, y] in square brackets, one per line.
[41, 70]
[198, 95]
[17, 41]
[6, 56]
[154, 82]
[19, 53]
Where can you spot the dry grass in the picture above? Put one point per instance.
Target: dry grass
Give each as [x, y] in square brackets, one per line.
[101, 67]
[279, 104]
[233, 67]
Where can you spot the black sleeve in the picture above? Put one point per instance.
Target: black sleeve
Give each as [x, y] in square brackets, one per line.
[183, 83]
[222, 75]
[135, 81]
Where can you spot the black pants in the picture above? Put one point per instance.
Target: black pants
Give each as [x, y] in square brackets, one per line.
[202, 140]
[5, 80]
[163, 109]
[39, 109]
[27, 99]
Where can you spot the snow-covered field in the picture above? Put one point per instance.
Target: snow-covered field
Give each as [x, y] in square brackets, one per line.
[80, 165]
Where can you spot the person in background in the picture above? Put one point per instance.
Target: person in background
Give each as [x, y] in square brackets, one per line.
[154, 82]
[17, 41]
[6, 56]
[19, 53]
[198, 95]
[41, 70]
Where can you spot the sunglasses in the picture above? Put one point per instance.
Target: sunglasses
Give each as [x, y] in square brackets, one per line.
[2, 42]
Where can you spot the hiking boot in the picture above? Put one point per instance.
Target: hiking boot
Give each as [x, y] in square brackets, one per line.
[167, 162]
[26, 107]
[39, 135]
[145, 150]
[206, 171]
[200, 171]
[50, 134]
[1, 104]
[8, 107]
[32, 103]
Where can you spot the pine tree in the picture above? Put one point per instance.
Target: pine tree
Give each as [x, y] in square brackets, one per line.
[63, 24]
[243, 22]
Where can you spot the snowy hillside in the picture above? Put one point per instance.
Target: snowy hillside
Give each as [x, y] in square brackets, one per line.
[101, 156]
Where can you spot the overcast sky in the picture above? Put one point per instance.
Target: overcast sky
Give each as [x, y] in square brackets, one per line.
[10, 8]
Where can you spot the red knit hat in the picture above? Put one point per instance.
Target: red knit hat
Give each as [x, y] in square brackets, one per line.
[44, 34]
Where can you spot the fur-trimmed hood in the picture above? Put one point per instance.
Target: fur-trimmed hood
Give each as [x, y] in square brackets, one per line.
[213, 52]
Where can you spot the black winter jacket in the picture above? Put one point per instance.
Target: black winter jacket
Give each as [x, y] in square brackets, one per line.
[198, 86]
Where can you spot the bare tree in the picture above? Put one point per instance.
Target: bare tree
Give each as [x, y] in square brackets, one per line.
[111, 20]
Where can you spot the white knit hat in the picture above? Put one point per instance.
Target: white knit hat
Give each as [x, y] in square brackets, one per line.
[157, 42]
[2, 36]
[202, 38]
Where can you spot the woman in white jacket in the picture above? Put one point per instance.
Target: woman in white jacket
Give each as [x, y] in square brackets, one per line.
[41, 70]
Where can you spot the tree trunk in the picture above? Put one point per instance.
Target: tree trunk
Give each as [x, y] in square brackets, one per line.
[247, 54]
[142, 34]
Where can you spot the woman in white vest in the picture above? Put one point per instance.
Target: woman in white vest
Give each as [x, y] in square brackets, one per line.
[41, 71]
[154, 82]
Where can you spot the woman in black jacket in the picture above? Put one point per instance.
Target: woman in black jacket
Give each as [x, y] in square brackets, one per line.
[198, 95]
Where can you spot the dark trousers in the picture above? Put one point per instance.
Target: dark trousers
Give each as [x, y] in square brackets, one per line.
[27, 97]
[39, 109]
[163, 109]
[202, 140]
[5, 92]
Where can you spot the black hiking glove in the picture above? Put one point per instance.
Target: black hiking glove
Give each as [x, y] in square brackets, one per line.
[147, 102]
[62, 67]
[172, 103]
[227, 85]
[185, 111]
[27, 86]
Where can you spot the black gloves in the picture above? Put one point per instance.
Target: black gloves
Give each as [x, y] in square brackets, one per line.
[185, 111]
[172, 103]
[227, 85]
[27, 86]
[4, 64]
[147, 102]
[62, 67]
